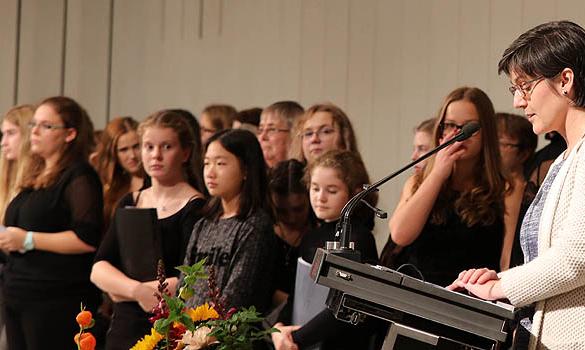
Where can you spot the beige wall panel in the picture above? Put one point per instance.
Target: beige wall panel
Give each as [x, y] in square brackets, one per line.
[289, 48]
[474, 44]
[41, 42]
[385, 154]
[8, 28]
[573, 10]
[535, 12]
[136, 58]
[337, 51]
[416, 67]
[312, 52]
[504, 29]
[87, 54]
[444, 56]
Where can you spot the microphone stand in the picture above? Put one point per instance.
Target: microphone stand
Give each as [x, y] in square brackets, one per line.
[343, 228]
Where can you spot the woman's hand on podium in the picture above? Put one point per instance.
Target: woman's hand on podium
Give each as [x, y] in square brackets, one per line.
[483, 283]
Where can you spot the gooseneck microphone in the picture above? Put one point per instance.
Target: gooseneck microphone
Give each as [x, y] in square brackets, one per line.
[343, 229]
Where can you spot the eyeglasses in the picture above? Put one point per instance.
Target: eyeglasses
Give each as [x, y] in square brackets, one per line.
[206, 130]
[270, 131]
[448, 127]
[45, 126]
[509, 145]
[525, 88]
[322, 133]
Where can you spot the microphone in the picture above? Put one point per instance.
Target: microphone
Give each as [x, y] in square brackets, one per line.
[343, 229]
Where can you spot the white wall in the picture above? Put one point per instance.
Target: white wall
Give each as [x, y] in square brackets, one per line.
[388, 63]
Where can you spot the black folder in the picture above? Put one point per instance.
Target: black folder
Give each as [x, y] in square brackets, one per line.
[138, 241]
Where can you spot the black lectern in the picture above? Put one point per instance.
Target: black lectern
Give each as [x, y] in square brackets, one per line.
[422, 315]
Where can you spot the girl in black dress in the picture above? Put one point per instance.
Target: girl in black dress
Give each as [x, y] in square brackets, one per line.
[53, 228]
[457, 204]
[168, 152]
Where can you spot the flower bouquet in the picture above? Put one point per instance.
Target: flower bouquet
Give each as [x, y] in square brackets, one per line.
[208, 326]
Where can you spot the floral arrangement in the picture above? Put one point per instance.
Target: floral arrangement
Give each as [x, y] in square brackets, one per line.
[84, 340]
[208, 326]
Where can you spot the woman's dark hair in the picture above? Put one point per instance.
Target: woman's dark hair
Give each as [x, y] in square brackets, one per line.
[287, 178]
[519, 128]
[547, 49]
[254, 195]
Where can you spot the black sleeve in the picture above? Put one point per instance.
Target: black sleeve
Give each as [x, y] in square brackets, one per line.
[83, 195]
[188, 220]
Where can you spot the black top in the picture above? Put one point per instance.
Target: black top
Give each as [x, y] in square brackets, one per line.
[441, 252]
[175, 231]
[243, 255]
[324, 328]
[286, 265]
[316, 238]
[74, 203]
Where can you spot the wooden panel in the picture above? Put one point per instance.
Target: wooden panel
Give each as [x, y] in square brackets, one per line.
[87, 56]
[41, 50]
[8, 47]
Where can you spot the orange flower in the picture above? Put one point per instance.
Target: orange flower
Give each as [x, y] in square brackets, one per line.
[202, 313]
[84, 318]
[85, 342]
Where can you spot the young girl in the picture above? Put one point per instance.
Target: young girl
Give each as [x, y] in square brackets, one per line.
[333, 179]
[236, 233]
[53, 227]
[15, 152]
[453, 215]
[168, 155]
[118, 162]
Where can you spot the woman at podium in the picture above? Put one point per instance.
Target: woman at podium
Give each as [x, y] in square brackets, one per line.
[547, 72]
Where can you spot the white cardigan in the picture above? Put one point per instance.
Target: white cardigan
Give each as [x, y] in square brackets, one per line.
[555, 280]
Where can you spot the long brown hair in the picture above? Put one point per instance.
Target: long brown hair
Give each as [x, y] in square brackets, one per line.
[73, 116]
[115, 179]
[483, 203]
[12, 170]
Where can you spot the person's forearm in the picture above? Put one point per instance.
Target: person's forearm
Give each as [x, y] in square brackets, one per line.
[65, 242]
[111, 280]
[410, 217]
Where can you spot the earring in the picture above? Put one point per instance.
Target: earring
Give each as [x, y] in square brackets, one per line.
[564, 92]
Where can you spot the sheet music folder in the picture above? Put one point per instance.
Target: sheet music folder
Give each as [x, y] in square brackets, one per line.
[138, 241]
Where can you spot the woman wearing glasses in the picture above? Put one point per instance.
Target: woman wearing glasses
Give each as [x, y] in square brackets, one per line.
[53, 228]
[323, 127]
[276, 123]
[457, 204]
[550, 88]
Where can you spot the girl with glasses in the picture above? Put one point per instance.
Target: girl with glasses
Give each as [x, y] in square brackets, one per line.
[453, 215]
[553, 231]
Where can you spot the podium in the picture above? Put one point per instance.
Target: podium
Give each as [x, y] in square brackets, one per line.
[422, 315]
